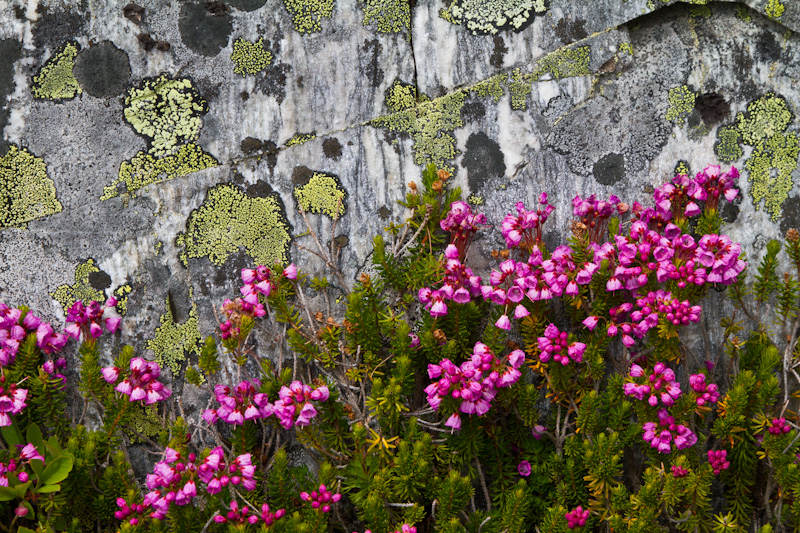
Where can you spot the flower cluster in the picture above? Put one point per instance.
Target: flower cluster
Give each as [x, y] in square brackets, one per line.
[555, 344]
[259, 280]
[462, 224]
[714, 183]
[13, 331]
[405, 528]
[779, 426]
[141, 383]
[12, 401]
[594, 214]
[459, 285]
[721, 255]
[53, 367]
[474, 382]
[294, 406]
[718, 460]
[706, 393]
[321, 499]
[577, 517]
[235, 311]
[242, 516]
[678, 471]
[659, 385]
[216, 474]
[666, 432]
[16, 467]
[525, 229]
[87, 319]
[242, 403]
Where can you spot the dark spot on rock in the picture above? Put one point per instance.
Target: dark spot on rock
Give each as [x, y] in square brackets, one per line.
[498, 52]
[55, 27]
[472, 111]
[217, 8]
[260, 189]
[552, 239]
[301, 175]
[729, 213]
[133, 12]
[767, 47]
[99, 280]
[180, 303]
[341, 241]
[147, 41]
[372, 70]
[251, 144]
[203, 32]
[300, 81]
[270, 154]
[570, 31]
[332, 148]
[162, 46]
[102, 70]
[713, 108]
[790, 216]
[19, 12]
[10, 51]
[244, 95]
[610, 169]
[247, 5]
[273, 82]
[349, 143]
[384, 212]
[483, 160]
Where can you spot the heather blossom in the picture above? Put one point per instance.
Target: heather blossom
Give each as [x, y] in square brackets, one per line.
[661, 436]
[462, 224]
[577, 517]
[779, 426]
[86, 320]
[660, 385]
[718, 460]
[555, 344]
[141, 384]
[706, 392]
[525, 229]
[12, 401]
[459, 284]
[321, 499]
[294, 406]
[242, 403]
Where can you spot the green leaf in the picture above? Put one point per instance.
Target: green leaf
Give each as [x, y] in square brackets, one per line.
[12, 493]
[12, 435]
[58, 469]
[22, 529]
[38, 466]
[34, 435]
[48, 488]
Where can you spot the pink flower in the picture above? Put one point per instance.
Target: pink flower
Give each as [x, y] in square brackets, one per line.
[290, 272]
[591, 322]
[524, 468]
[503, 322]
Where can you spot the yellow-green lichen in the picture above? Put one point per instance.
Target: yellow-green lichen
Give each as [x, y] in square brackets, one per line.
[727, 146]
[778, 153]
[476, 199]
[26, 193]
[682, 168]
[173, 341]
[563, 63]
[250, 57]
[307, 14]
[743, 13]
[626, 47]
[300, 138]
[401, 96]
[490, 16]
[121, 294]
[764, 118]
[322, 194]
[146, 423]
[229, 220]
[390, 16]
[774, 9]
[82, 290]
[700, 11]
[55, 80]
[681, 104]
[520, 87]
[490, 87]
[144, 169]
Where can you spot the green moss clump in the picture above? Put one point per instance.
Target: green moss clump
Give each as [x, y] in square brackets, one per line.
[26, 193]
[564, 63]
[144, 169]
[82, 290]
[774, 9]
[390, 16]
[229, 220]
[743, 13]
[700, 11]
[173, 341]
[307, 14]
[55, 80]
[146, 423]
[490, 16]
[765, 117]
[681, 104]
[322, 194]
[520, 87]
[779, 152]
[401, 96]
[727, 146]
[490, 87]
[249, 57]
[300, 138]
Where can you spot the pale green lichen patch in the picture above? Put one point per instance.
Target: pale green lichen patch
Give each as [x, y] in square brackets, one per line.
[250, 57]
[389, 16]
[774, 9]
[626, 47]
[563, 63]
[173, 341]
[681, 104]
[490, 16]
[476, 199]
[520, 87]
[727, 146]
[82, 290]
[146, 423]
[682, 168]
[323, 194]
[300, 138]
[700, 11]
[401, 96]
[764, 118]
[55, 80]
[307, 14]
[122, 293]
[743, 13]
[228, 221]
[490, 87]
[26, 193]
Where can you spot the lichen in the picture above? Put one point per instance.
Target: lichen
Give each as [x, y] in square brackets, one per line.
[55, 80]
[173, 341]
[626, 47]
[727, 146]
[682, 168]
[401, 96]
[144, 169]
[700, 11]
[490, 16]
[476, 199]
[322, 194]
[229, 220]
[681, 104]
[26, 193]
[563, 63]
[490, 87]
[250, 57]
[774, 9]
[778, 152]
[122, 293]
[300, 138]
[390, 16]
[765, 117]
[743, 13]
[307, 14]
[520, 87]
[82, 290]
[146, 423]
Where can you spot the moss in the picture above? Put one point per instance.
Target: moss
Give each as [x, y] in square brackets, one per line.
[26, 193]
[765, 117]
[779, 152]
[490, 87]
[144, 169]
[249, 57]
[743, 13]
[390, 16]
[727, 146]
[300, 138]
[122, 293]
[563, 63]
[520, 87]
[700, 11]
[146, 422]
[55, 80]
[681, 104]
[173, 341]
[490, 16]
[774, 9]
[229, 220]
[307, 14]
[322, 194]
[82, 290]
[401, 96]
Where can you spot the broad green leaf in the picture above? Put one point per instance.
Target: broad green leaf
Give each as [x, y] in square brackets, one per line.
[34, 435]
[38, 466]
[12, 434]
[12, 493]
[48, 488]
[58, 469]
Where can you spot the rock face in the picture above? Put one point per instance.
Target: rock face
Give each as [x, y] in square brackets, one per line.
[151, 151]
